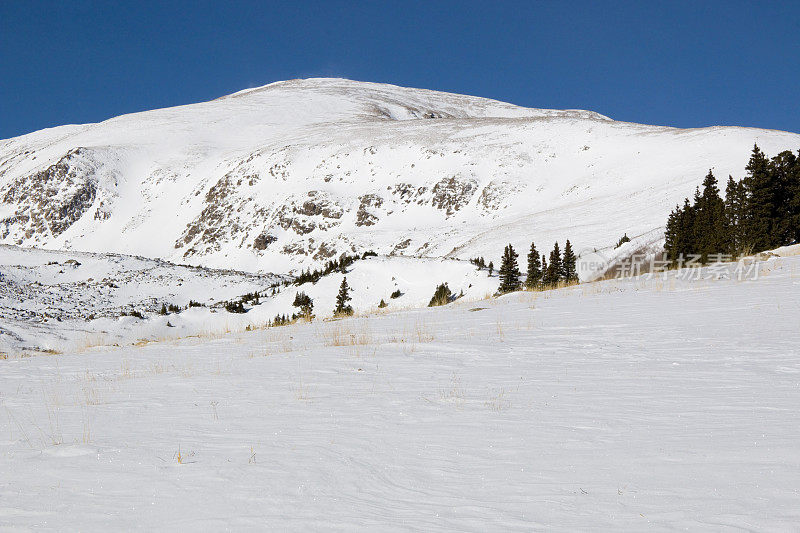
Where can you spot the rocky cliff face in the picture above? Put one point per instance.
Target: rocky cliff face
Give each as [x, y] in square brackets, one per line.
[294, 173]
[47, 203]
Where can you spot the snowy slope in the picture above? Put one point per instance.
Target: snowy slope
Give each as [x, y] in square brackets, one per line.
[63, 301]
[53, 300]
[634, 405]
[293, 173]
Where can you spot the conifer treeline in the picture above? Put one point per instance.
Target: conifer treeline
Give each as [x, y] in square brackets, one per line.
[760, 212]
[540, 274]
[335, 265]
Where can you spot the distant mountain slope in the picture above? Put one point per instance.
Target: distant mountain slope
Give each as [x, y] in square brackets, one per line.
[293, 173]
[54, 300]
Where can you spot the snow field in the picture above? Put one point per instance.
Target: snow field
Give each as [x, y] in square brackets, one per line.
[622, 405]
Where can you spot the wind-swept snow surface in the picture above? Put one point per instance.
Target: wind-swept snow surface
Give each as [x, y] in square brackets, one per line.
[621, 405]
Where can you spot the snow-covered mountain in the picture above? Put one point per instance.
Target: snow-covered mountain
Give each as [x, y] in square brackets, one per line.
[293, 173]
[622, 404]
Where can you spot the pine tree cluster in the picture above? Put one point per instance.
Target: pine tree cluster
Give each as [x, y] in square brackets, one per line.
[760, 212]
[478, 262]
[622, 240]
[305, 304]
[335, 265]
[237, 306]
[169, 309]
[540, 274]
[251, 298]
[441, 296]
[281, 320]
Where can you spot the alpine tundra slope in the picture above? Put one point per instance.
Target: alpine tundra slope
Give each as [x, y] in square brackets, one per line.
[289, 175]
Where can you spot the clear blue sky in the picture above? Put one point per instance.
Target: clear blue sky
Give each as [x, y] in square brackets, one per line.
[682, 64]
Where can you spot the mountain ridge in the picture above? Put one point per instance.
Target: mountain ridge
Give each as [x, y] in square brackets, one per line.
[290, 174]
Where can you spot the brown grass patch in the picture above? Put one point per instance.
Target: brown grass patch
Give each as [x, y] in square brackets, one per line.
[345, 335]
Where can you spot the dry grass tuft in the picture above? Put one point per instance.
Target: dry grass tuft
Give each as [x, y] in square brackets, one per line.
[302, 392]
[344, 335]
[454, 393]
[422, 333]
[126, 370]
[501, 336]
[91, 396]
[92, 340]
[499, 402]
[86, 434]
[262, 353]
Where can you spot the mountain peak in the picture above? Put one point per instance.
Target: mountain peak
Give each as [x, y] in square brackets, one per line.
[294, 173]
[384, 100]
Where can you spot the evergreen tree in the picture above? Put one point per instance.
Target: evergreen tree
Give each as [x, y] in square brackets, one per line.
[568, 264]
[304, 303]
[235, 307]
[478, 262]
[491, 268]
[534, 268]
[342, 307]
[441, 295]
[710, 225]
[686, 231]
[735, 215]
[794, 200]
[509, 271]
[681, 235]
[760, 201]
[672, 235]
[545, 270]
[553, 274]
[782, 170]
[695, 231]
